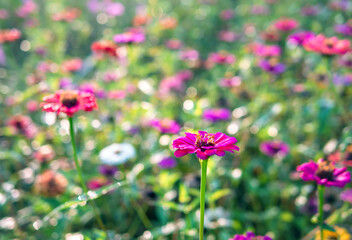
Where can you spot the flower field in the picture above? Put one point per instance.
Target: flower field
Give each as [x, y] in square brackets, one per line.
[182, 119]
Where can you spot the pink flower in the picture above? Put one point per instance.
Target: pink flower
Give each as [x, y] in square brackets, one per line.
[204, 144]
[346, 196]
[166, 125]
[221, 58]
[103, 47]
[26, 9]
[69, 102]
[173, 44]
[327, 46]
[286, 24]
[98, 182]
[299, 37]
[20, 124]
[228, 36]
[324, 173]
[217, 114]
[231, 82]
[250, 236]
[72, 65]
[261, 50]
[132, 36]
[227, 14]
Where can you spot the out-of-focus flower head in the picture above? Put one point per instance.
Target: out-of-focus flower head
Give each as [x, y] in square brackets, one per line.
[228, 36]
[324, 173]
[28, 7]
[20, 124]
[250, 236]
[168, 23]
[204, 144]
[310, 10]
[50, 184]
[114, 9]
[227, 14]
[93, 88]
[4, 13]
[261, 50]
[44, 154]
[189, 55]
[344, 29]
[176, 82]
[286, 24]
[340, 5]
[111, 76]
[272, 66]
[107, 170]
[104, 47]
[133, 35]
[117, 153]
[321, 79]
[271, 34]
[221, 58]
[32, 106]
[69, 102]
[231, 82]
[346, 60]
[72, 65]
[298, 38]
[166, 126]
[346, 195]
[342, 80]
[97, 182]
[173, 44]
[274, 148]
[217, 114]
[259, 10]
[339, 233]
[167, 163]
[327, 46]
[141, 19]
[67, 15]
[116, 94]
[9, 35]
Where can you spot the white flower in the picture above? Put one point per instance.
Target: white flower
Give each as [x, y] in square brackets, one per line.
[117, 153]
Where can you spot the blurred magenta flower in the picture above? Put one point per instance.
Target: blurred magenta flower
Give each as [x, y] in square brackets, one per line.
[298, 38]
[69, 102]
[261, 50]
[327, 46]
[204, 144]
[344, 29]
[346, 196]
[166, 126]
[228, 36]
[167, 163]
[72, 65]
[9, 35]
[2, 56]
[342, 80]
[217, 114]
[274, 148]
[346, 60]
[28, 7]
[131, 36]
[104, 47]
[221, 58]
[286, 24]
[107, 170]
[32, 106]
[189, 55]
[20, 124]
[97, 182]
[231, 82]
[272, 66]
[324, 173]
[250, 236]
[227, 14]
[114, 9]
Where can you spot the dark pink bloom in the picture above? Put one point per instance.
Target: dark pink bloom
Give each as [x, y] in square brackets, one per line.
[72, 65]
[261, 50]
[20, 124]
[104, 47]
[274, 148]
[324, 173]
[344, 29]
[204, 144]
[221, 58]
[189, 55]
[167, 163]
[286, 24]
[231, 82]
[69, 102]
[166, 125]
[217, 114]
[228, 36]
[97, 183]
[26, 9]
[250, 236]
[272, 66]
[132, 36]
[327, 46]
[299, 37]
[346, 195]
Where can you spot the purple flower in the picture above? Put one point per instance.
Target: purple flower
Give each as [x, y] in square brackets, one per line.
[114, 9]
[67, 84]
[324, 173]
[344, 29]
[166, 125]
[217, 114]
[299, 37]
[274, 148]
[167, 163]
[346, 60]
[2, 56]
[343, 80]
[204, 144]
[272, 66]
[107, 170]
[132, 36]
[189, 55]
[250, 236]
[346, 195]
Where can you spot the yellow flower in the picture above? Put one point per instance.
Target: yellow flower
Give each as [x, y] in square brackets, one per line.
[340, 234]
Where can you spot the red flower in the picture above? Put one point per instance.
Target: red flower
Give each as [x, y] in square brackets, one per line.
[9, 35]
[204, 144]
[327, 46]
[69, 102]
[104, 47]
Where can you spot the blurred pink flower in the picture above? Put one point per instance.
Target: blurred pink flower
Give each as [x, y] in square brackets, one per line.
[327, 46]
[217, 114]
[286, 24]
[26, 9]
[228, 36]
[221, 58]
[166, 126]
[20, 124]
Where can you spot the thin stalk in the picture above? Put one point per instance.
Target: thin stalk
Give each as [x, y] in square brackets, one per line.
[203, 164]
[321, 212]
[80, 175]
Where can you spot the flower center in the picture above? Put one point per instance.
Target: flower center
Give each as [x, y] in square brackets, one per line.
[165, 123]
[329, 43]
[325, 171]
[69, 99]
[206, 141]
[275, 147]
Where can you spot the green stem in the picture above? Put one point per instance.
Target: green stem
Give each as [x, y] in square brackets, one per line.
[321, 212]
[80, 175]
[203, 180]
